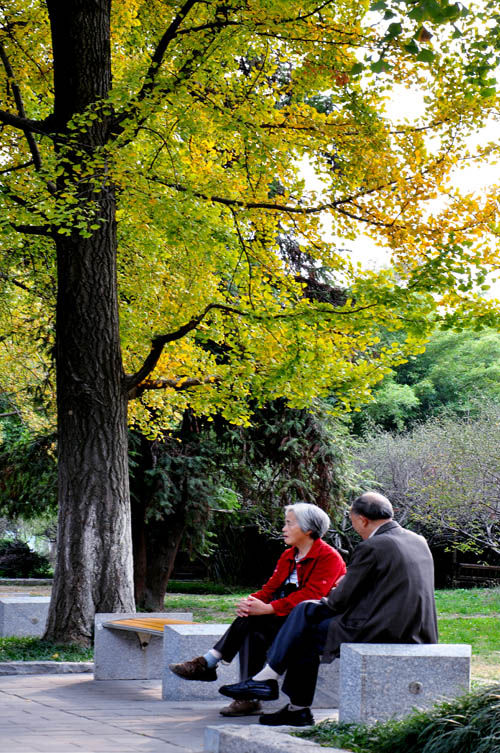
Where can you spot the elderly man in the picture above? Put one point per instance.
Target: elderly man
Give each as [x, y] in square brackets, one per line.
[386, 596]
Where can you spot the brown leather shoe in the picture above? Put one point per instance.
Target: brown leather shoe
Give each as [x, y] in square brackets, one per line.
[194, 669]
[241, 708]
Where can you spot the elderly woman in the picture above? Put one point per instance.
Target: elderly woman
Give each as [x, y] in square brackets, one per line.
[308, 569]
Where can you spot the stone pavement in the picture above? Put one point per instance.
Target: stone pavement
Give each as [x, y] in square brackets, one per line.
[73, 712]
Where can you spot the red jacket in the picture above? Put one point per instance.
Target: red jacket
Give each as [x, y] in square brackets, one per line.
[317, 574]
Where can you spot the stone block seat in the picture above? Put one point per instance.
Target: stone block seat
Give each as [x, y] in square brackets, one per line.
[23, 616]
[187, 641]
[387, 681]
[129, 646]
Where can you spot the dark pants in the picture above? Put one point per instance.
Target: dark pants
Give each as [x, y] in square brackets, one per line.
[251, 638]
[297, 648]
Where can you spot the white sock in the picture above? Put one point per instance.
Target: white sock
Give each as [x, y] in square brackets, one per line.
[292, 707]
[212, 657]
[266, 673]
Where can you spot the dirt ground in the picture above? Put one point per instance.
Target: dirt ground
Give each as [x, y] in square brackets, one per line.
[25, 590]
[486, 668]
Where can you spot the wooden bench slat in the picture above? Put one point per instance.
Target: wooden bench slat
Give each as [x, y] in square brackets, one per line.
[152, 625]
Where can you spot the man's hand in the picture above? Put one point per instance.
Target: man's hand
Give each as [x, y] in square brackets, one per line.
[251, 607]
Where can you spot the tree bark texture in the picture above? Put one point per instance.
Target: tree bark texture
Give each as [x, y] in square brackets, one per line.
[94, 560]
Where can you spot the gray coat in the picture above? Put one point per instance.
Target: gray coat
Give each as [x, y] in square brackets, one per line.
[387, 594]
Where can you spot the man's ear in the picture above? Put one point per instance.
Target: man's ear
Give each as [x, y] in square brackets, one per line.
[366, 521]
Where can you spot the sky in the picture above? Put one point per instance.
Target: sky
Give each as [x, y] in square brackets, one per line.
[409, 106]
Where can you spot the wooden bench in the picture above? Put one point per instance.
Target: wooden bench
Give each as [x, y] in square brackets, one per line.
[130, 646]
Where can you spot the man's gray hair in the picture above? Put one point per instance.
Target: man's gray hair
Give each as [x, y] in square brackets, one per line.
[310, 518]
[373, 506]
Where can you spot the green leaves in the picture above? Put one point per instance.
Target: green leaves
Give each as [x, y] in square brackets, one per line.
[436, 11]
[204, 162]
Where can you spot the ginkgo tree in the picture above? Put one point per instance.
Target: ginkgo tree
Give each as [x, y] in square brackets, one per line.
[161, 245]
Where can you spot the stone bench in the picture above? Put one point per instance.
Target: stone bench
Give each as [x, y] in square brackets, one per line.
[387, 681]
[23, 615]
[129, 646]
[139, 647]
[183, 642]
[187, 641]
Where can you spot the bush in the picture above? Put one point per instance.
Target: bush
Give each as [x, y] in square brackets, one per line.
[469, 724]
[18, 561]
[442, 478]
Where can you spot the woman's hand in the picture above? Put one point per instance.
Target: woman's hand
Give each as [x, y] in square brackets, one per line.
[251, 607]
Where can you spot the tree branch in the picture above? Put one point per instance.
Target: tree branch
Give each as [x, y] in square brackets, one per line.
[337, 204]
[178, 384]
[24, 124]
[16, 92]
[133, 381]
[33, 229]
[16, 167]
[159, 342]
[161, 49]
[13, 280]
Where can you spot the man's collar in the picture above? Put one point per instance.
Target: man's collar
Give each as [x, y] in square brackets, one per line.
[383, 527]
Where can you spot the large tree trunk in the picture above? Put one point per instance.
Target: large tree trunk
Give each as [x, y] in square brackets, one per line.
[94, 560]
[162, 541]
[155, 539]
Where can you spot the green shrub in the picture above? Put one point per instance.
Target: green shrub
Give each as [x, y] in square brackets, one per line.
[18, 561]
[469, 724]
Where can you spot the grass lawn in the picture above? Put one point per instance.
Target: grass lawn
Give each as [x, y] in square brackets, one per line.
[34, 649]
[472, 615]
[468, 601]
[464, 615]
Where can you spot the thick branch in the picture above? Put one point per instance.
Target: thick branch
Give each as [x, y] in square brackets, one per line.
[133, 381]
[161, 49]
[16, 92]
[178, 384]
[33, 229]
[159, 342]
[24, 124]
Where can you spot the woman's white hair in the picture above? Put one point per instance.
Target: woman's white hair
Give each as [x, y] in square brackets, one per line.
[310, 518]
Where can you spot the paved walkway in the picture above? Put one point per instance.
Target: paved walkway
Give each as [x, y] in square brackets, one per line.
[71, 713]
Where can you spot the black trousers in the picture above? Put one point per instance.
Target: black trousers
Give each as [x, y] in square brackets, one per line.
[297, 649]
[251, 638]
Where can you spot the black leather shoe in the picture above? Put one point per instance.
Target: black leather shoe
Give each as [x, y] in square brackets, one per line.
[263, 690]
[300, 718]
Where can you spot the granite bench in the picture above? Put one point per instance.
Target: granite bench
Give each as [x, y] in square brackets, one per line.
[387, 681]
[129, 646]
[136, 647]
[23, 615]
[186, 641]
